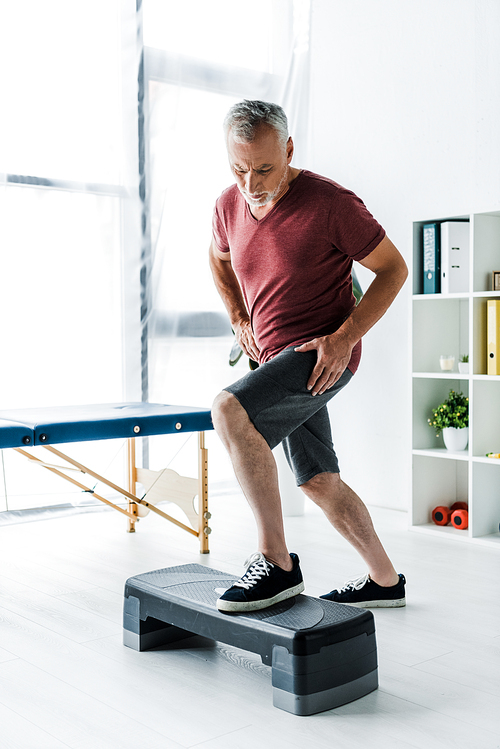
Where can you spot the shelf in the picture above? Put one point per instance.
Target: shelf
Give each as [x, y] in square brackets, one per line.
[486, 378]
[453, 534]
[455, 376]
[442, 452]
[456, 324]
[431, 297]
[457, 295]
[491, 539]
[442, 375]
[446, 531]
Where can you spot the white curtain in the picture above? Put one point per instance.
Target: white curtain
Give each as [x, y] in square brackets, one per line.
[295, 94]
[187, 100]
[111, 158]
[190, 85]
[69, 219]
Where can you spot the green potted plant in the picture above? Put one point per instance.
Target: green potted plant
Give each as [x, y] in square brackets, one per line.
[463, 364]
[452, 419]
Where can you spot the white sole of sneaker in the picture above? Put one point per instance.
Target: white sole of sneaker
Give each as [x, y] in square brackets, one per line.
[397, 603]
[236, 606]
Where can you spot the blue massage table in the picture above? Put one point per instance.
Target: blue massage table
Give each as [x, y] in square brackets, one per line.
[25, 428]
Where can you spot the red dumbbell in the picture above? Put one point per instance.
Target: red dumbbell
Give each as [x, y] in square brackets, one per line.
[459, 506]
[460, 519]
[441, 515]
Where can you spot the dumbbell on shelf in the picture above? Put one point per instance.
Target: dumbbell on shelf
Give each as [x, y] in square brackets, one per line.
[460, 519]
[457, 515]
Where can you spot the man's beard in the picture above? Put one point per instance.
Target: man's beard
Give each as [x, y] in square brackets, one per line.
[268, 196]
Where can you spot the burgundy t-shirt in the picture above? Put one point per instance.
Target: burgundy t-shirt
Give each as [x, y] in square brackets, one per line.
[294, 265]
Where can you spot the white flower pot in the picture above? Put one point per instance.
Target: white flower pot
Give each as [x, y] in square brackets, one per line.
[455, 439]
[463, 367]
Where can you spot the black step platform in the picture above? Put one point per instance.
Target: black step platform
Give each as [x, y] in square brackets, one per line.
[323, 654]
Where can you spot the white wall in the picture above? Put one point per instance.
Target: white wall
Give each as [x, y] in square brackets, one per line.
[406, 112]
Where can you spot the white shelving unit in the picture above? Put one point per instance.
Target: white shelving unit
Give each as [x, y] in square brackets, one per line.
[456, 323]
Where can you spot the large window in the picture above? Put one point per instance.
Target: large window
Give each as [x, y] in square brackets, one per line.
[60, 90]
[228, 33]
[111, 159]
[65, 192]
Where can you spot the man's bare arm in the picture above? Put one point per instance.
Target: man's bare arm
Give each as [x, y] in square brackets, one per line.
[334, 351]
[230, 292]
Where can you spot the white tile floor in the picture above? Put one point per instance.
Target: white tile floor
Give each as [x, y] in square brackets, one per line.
[67, 681]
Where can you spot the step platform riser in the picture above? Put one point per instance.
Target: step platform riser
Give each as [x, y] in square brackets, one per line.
[322, 654]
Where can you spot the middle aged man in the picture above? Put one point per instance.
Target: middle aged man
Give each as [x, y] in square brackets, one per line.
[281, 256]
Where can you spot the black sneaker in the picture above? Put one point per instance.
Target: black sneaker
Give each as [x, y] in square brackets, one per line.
[262, 585]
[364, 593]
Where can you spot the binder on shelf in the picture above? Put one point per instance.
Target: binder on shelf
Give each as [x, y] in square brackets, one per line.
[431, 273]
[493, 337]
[454, 259]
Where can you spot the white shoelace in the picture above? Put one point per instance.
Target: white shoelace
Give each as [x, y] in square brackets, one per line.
[356, 583]
[257, 568]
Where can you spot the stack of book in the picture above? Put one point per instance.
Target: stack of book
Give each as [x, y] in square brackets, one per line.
[446, 257]
[493, 337]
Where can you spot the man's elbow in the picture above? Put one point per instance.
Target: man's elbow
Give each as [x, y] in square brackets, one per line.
[402, 269]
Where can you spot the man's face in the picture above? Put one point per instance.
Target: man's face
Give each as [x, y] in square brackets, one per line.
[260, 167]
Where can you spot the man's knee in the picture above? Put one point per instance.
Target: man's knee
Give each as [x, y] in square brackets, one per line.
[227, 412]
[321, 486]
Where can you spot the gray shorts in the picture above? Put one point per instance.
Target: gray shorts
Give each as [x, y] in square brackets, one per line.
[281, 408]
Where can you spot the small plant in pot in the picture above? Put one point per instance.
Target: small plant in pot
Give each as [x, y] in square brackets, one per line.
[452, 419]
[463, 364]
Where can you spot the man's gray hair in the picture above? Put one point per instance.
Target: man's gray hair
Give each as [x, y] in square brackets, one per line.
[244, 118]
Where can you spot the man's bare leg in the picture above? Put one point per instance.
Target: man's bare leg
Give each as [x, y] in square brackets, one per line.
[255, 468]
[350, 517]
[256, 471]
